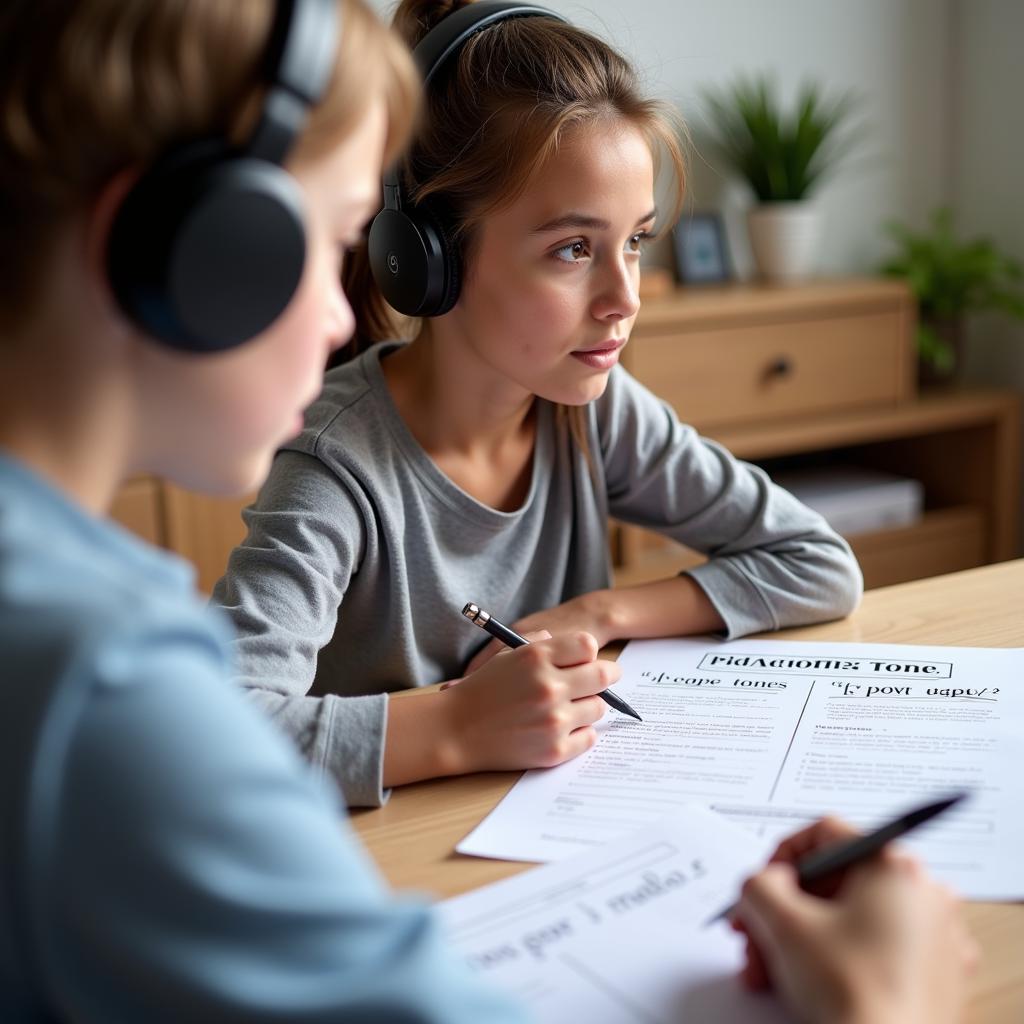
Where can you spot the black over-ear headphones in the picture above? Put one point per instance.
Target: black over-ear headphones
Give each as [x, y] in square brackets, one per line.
[413, 256]
[208, 247]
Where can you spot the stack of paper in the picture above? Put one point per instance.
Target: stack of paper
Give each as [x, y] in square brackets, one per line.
[772, 734]
[855, 500]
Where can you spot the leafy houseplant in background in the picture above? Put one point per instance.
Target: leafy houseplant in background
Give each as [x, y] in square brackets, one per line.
[783, 157]
[951, 278]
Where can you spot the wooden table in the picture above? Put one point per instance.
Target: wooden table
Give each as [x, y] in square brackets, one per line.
[413, 837]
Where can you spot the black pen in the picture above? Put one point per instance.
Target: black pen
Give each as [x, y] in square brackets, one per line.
[510, 638]
[831, 859]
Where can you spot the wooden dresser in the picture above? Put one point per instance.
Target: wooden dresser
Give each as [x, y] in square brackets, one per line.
[201, 529]
[824, 374]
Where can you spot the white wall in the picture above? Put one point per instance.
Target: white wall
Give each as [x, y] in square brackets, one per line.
[988, 162]
[892, 53]
[988, 166]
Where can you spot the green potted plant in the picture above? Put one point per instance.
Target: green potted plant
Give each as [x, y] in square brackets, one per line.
[951, 278]
[783, 157]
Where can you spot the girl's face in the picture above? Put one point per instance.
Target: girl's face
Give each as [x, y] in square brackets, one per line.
[551, 292]
[216, 420]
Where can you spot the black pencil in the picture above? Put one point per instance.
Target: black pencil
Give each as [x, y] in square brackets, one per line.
[510, 638]
[834, 858]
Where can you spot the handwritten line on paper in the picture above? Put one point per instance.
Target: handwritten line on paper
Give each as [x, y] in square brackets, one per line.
[607, 936]
[644, 860]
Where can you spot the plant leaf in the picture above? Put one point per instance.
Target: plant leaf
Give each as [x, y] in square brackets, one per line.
[780, 157]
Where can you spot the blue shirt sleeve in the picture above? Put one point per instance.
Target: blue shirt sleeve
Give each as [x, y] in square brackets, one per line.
[202, 873]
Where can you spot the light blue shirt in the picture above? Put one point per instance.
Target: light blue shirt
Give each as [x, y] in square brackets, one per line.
[164, 854]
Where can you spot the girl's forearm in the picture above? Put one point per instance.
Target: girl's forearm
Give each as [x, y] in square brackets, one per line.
[418, 740]
[672, 607]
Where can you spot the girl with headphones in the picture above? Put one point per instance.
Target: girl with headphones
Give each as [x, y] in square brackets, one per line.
[481, 461]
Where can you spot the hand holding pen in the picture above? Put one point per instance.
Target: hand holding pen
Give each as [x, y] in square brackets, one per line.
[819, 862]
[510, 638]
[887, 943]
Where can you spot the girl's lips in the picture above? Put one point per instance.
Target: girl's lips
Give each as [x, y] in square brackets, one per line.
[603, 358]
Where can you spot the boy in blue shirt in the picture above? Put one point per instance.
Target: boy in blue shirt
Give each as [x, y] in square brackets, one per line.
[167, 306]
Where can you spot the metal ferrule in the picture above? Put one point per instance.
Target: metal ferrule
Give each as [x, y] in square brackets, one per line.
[476, 614]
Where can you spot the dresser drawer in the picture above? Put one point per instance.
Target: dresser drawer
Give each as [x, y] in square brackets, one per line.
[733, 373]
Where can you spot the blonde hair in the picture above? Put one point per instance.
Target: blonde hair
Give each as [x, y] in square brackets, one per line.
[90, 88]
[495, 114]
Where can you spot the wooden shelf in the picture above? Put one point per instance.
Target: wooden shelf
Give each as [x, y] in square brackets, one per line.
[933, 412]
[943, 540]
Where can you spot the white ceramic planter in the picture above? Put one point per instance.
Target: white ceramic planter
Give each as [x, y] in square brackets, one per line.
[784, 239]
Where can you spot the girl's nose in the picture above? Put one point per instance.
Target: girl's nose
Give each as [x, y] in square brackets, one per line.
[618, 297]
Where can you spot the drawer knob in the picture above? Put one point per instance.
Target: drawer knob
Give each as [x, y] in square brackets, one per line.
[781, 366]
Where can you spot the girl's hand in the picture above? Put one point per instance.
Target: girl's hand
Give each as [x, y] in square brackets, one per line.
[676, 606]
[532, 707]
[586, 613]
[889, 945]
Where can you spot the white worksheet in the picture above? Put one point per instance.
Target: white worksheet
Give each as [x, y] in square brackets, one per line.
[617, 935]
[772, 734]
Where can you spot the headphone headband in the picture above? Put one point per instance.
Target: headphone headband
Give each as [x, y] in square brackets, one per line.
[445, 39]
[300, 60]
[450, 33]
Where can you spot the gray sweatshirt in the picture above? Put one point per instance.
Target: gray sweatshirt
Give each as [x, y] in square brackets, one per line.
[360, 553]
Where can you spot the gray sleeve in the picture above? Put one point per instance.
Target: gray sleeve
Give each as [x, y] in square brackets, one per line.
[282, 589]
[772, 562]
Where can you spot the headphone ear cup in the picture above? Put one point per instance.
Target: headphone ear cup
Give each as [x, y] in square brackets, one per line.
[452, 258]
[206, 253]
[413, 261]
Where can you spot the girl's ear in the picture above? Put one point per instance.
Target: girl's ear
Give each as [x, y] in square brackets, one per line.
[98, 224]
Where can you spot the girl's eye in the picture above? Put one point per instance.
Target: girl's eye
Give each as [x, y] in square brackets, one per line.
[571, 253]
[637, 242]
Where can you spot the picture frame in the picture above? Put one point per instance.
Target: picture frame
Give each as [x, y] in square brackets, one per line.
[701, 253]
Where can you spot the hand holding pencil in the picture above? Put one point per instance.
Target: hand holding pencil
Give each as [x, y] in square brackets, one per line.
[533, 707]
[513, 640]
